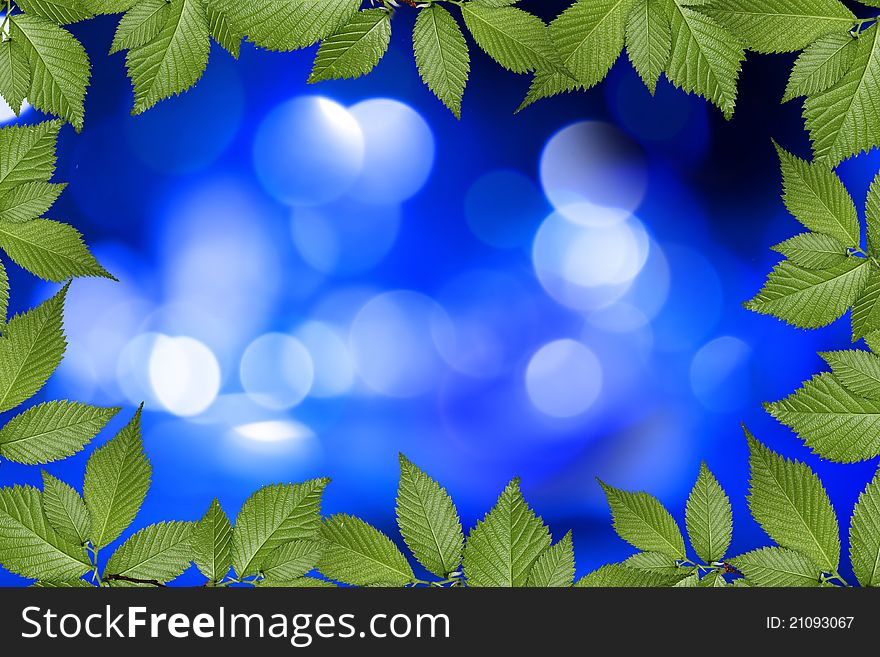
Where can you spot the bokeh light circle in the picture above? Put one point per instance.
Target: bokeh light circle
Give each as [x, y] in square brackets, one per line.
[563, 379]
[184, 374]
[345, 237]
[399, 151]
[590, 263]
[308, 151]
[503, 208]
[393, 341]
[277, 371]
[720, 376]
[333, 367]
[593, 162]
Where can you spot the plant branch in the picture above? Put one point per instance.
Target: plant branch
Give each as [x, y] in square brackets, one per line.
[134, 580]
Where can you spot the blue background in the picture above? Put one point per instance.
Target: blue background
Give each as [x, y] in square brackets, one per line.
[433, 323]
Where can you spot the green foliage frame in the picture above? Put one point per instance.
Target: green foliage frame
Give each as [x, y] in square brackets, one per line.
[280, 538]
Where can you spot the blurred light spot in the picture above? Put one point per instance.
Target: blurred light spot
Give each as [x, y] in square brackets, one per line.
[345, 237]
[593, 162]
[503, 208]
[133, 370]
[589, 264]
[650, 290]
[399, 151]
[563, 379]
[274, 431]
[622, 317]
[308, 151]
[184, 374]
[277, 371]
[6, 113]
[493, 317]
[193, 131]
[334, 370]
[392, 341]
[720, 376]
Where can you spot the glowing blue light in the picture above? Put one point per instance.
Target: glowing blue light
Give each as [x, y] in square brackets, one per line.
[133, 370]
[392, 341]
[345, 237]
[503, 208]
[334, 370]
[308, 151]
[593, 162]
[274, 431]
[563, 379]
[590, 263]
[720, 376]
[277, 371]
[192, 132]
[399, 151]
[184, 374]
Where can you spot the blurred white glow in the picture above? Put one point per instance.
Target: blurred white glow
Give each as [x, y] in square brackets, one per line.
[589, 264]
[345, 237]
[563, 379]
[274, 431]
[184, 374]
[333, 367]
[133, 370]
[593, 162]
[392, 340]
[277, 371]
[719, 374]
[308, 151]
[399, 151]
[6, 113]
[621, 317]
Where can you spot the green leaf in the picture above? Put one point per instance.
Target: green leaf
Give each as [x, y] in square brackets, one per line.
[771, 26]
[555, 567]
[713, 580]
[813, 251]
[361, 555]
[811, 298]
[31, 348]
[662, 564]
[442, 56]
[174, 60]
[52, 431]
[116, 483]
[788, 500]
[817, 198]
[293, 560]
[864, 536]
[502, 548]
[777, 567]
[211, 543]
[158, 552]
[706, 58]
[4, 296]
[709, 518]
[428, 521]
[617, 575]
[101, 7]
[588, 37]
[644, 523]
[298, 583]
[821, 65]
[866, 309]
[28, 201]
[141, 24]
[27, 154]
[649, 40]
[65, 510]
[49, 249]
[833, 422]
[222, 32]
[355, 49]
[287, 24]
[691, 581]
[872, 214]
[517, 40]
[28, 544]
[272, 516]
[63, 584]
[844, 119]
[57, 11]
[857, 371]
[15, 74]
[59, 67]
